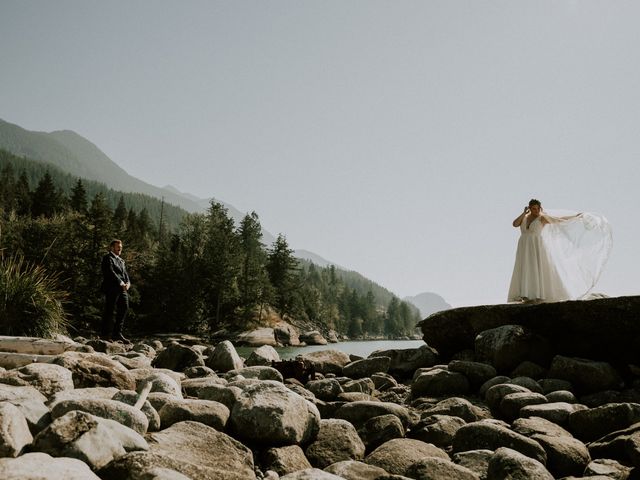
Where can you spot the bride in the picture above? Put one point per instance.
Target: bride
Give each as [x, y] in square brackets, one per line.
[558, 257]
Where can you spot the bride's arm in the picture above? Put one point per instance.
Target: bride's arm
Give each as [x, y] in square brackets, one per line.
[549, 219]
[518, 221]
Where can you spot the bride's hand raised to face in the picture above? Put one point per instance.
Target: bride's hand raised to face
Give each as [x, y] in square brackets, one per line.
[526, 209]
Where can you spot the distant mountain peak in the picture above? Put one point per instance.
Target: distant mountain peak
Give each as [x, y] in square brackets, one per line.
[428, 303]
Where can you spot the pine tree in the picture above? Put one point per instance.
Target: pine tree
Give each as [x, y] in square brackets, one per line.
[23, 195]
[78, 200]
[281, 267]
[7, 188]
[120, 216]
[45, 199]
[253, 280]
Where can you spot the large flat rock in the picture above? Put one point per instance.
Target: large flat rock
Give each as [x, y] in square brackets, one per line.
[601, 329]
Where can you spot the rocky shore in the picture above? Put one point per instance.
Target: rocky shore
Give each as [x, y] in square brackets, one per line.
[493, 394]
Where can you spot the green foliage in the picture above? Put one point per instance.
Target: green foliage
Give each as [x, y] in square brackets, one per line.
[31, 303]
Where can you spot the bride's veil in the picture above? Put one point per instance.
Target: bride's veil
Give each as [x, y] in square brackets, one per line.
[579, 248]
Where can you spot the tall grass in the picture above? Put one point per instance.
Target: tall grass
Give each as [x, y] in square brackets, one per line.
[31, 302]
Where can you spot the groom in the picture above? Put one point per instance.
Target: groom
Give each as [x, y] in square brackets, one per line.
[115, 284]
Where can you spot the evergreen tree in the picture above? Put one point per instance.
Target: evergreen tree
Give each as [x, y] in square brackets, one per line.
[253, 280]
[7, 188]
[281, 267]
[78, 200]
[23, 195]
[120, 216]
[45, 199]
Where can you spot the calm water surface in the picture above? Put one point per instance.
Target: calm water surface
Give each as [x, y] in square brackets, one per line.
[362, 348]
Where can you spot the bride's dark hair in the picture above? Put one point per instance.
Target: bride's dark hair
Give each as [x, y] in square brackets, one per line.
[533, 202]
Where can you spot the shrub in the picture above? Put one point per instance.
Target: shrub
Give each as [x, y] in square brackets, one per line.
[31, 303]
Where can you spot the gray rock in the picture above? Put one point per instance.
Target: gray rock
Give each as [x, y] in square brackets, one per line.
[435, 468]
[475, 460]
[193, 386]
[557, 412]
[220, 393]
[398, 455]
[40, 466]
[621, 445]
[439, 430]
[337, 440]
[526, 382]
[565, 455]
[258, 372]
[94, 440]
[359, 412]
[608, 467]
[263, 356]
[207, 412]
[145, 349]
[537, 425]
[178, 357]
[269, 413]
[507, 346]
[199, 372]
[158, 473]
[105, 393]
[131, 363]
[511, 464]
[354, 470]
[161, 382]
[366, 367]
[104, 346]
[120, 412]
[554, 384]
[488, 435]
[223, 357]
[491, 382]
[313, 337]
[31, 404]
[327, 389]
[362, 385]
[529, 369]
[511, 404]
[311, 474]
[456, 407]
[47, 378]
[284, 460]
[190, 448]
[257, 338]
[383, 381]
[130, 398]
[405, 361]
[561, 396]
[96, 370]
[14, 430]
[596, 422]
[327, 361]
[379, 430]
[496, 393]
[286, 334]
[477, 373]
[586, 375]
[439, 382]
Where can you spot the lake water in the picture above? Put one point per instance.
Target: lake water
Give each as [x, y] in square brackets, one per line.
[362, 348]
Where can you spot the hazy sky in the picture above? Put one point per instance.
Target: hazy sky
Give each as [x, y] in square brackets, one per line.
[396, 138]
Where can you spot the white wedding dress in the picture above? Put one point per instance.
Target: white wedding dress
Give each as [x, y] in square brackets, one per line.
[561, 260]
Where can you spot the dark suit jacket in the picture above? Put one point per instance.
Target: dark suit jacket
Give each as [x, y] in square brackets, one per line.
[114, 273]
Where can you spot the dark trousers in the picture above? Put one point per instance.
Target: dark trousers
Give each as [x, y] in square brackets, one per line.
[118, 299]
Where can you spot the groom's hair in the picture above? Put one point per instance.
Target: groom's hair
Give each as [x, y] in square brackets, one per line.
[533, 202]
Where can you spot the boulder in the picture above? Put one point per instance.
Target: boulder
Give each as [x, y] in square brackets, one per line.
[436, 468]
[223, 357]
[96, 370]
[487, 435]
[537, 425]
[507, 463]
[565, 455]
[492, 382]
[14, 430]
[257, 338]
[131, 398]
[284, 460]
[220, 393]
[529, 369]
[311, 474]
[439, 430]
[161, 382]
[31, 404]
[199, 372]
[313, 337]
[586, 375]
[362, 385]
[326, 389]
[366, 367]
[507, 346]
[354, 470]
[591, 424]
[178, 357]
[47, 378]
[511, 404]
[327, 361]
[574, 328]
[621, 445]
[268, 413]
[609, 468]
[439, 382]
[193, 386]
[526, 382]
[379, 430]
[475, 460]
[549, 385]
[359, 412]
[383, 381]
[286, 334]
[405, 361]
[398, 455]
[207, 412]
[477, 373]
[131, 363]
[495, 394]
[41, 466]
[94, 440]
[258, 372]
[561, 396]
[120, 412]
[263, 356]
[557, 412]
[456, 407]
[145, 349]
[190, 448]
[337, 440]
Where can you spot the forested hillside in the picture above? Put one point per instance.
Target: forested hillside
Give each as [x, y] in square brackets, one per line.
[198, 273]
